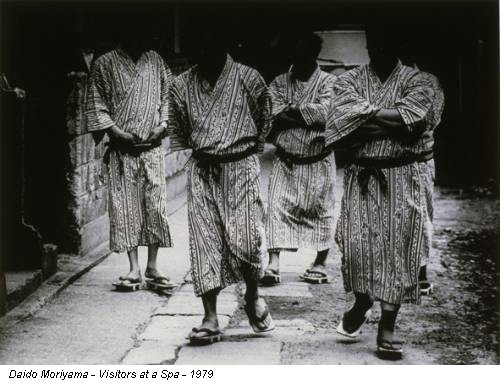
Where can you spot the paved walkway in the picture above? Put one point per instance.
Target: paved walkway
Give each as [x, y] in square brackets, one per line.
[89, 323]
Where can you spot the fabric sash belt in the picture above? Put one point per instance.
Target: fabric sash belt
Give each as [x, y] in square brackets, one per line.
[373, 168]
[207, 161]
[291, 159]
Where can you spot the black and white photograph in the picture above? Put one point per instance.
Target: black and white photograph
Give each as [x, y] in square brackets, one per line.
[248, 182]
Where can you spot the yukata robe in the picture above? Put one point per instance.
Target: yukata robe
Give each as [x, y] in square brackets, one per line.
[381, 230]
[433, 119]
[134, 97]
[225, 210]
[301, 196]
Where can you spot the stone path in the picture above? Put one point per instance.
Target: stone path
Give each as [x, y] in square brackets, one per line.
[89, 323]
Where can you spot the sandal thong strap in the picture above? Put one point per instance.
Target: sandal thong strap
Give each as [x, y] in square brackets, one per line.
[209, 333]
[394, 344]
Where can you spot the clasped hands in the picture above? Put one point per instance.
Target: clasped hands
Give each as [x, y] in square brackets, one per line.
[132, 139]
[290, 116]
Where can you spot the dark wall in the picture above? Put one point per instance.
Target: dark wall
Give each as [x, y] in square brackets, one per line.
[459, 40]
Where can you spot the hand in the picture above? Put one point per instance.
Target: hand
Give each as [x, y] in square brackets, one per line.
[372, 130]
[293, 111]
[288, 121]
[128, 138]
[156, 134]
[118, 134]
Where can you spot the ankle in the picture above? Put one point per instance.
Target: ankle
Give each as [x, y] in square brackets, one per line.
[387, 324]
[319, 263]
[212, 317]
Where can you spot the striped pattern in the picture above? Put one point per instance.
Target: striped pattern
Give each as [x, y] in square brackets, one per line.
[225, 210]
[225, 214]
[428, 177]
[359, 94]
[313, 98]
[433, 119]
[301, 197]
[219, 120]
[381, 235]
[134, 97]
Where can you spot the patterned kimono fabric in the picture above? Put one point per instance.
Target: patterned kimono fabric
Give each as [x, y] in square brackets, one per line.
[134, 97]
[381, 229]
[432, 120]
[225, 209]
[301, 196]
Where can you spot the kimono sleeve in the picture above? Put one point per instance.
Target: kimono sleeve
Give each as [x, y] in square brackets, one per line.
[315, 113]
[261, 107]
[178, 128]
[348, 109]
[98, 99]
[434, 118]
[165, 83]
[277, 90]
[415, 104]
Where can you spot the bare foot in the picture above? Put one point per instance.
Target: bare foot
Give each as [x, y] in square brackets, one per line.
[153, 273]
[133, 275]
[208, 323]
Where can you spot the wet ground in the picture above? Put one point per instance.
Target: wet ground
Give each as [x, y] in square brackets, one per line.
[458, 324]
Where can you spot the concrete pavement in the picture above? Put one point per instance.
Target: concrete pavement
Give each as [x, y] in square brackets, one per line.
[89, 323]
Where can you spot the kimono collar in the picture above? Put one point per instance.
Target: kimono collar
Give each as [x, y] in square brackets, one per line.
[314, 74]
[227, 66]
[396, 70]
[126, 56]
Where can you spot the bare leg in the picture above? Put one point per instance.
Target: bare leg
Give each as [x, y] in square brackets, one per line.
[135, 270]
[387, 322]
[210, 320]
[156, 279]
[152, 267]
[152, 257]
[255, 303]
[422, 274]
[321, 258]
[317, 272]
[355, 317]
[274, 260]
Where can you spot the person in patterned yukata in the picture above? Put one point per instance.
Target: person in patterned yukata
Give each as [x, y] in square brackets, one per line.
[379, 111]
[418, 55]
[128, 99]
[423, 62]
[302, 179]
[220, 110]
